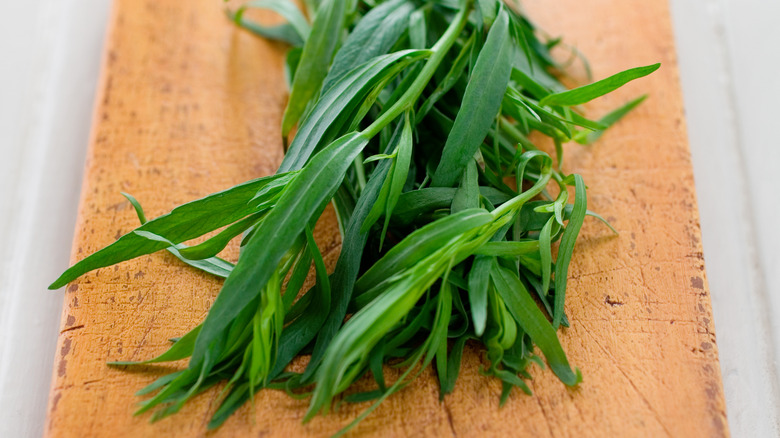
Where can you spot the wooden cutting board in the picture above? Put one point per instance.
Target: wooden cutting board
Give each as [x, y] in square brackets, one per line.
[188, 105]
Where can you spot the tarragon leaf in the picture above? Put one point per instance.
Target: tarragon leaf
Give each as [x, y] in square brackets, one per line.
[481, 102]
[334, 108]
[566, 248]
[525, 311]
[304, 196]
[373, 36]
[295, 31]
[181, 224]
[325, 35]
[586, 93]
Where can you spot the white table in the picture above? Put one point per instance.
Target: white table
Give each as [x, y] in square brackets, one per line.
[730, 83]
[728, 61]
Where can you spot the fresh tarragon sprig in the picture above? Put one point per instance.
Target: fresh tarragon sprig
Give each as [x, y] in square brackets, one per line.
[439, 245]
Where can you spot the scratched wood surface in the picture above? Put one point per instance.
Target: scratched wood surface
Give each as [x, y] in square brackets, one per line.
[189, 105]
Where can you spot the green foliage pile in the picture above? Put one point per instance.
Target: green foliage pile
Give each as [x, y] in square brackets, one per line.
[411, 116]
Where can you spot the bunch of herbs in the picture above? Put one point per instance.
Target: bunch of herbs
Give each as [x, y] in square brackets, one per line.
[414, 120]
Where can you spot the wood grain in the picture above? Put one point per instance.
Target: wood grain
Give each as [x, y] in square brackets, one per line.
[189, 105]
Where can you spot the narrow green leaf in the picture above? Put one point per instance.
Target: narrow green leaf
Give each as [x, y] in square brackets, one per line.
[182, 223]
[317, 54]
[304, 196]
[291, 61]
[378, 157]
[452, 77]
[453, 364]
[488, 9]
[398, 173]
[420, 244]
[237, 397]
[542, 115]
[610, 119]
[302, 331]
[439, 333]
[421, 321]
[467, 195]
[418, 30]
[528, 83]
[285, 33]
[297, 278]
[417, 202]
[481, 102]
[395, 180]
[374, 35]
[376, 365]
[601, 219]
[508, 249]
[361, 397]
[545, 254]
[193, 377]
[214, 245]
[478, 291]
[287, 9]
[333, 109]
[159, 383]
[401, 146]
[576, 119]
[179, 350]
[346, 272]
[512, 380]
[212, 265]
[525, 311]
[586, 93]
[139, 211]
[566, 247]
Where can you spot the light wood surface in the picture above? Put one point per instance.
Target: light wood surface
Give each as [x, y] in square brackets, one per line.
[189, 105]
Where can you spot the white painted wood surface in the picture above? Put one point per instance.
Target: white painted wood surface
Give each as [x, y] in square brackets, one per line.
[48, 70]
[731, 84]
[729, 71]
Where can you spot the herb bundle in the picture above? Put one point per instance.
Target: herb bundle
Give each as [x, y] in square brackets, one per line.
[413, 119]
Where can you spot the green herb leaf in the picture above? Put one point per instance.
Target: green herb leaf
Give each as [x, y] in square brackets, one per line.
[181, 349]
[566, 248]
[304, 196]
[302, 331]
[317, 54]
[182, 223]
[509, 249]
[373, 36]
[478, 291]
[419, 244]
[467, 195]
[415, 203]
[333, 110]
[481, 102]
[586, 93]
[452, 261]
[346, 271]
[212, 265]
[295, 32]
[524, 310]
[584, 137]
[394, 182]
